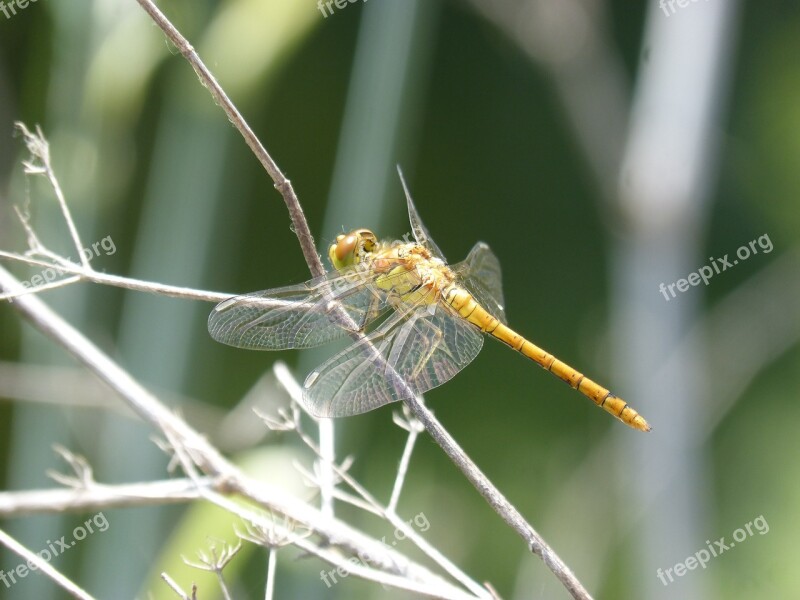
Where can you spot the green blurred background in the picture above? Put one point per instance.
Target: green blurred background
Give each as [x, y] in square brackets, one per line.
[481, 129]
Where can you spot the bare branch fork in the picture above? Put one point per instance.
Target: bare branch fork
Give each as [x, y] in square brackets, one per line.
[200, 452]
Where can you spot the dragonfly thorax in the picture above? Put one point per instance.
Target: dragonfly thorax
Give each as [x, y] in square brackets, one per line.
[409, 273]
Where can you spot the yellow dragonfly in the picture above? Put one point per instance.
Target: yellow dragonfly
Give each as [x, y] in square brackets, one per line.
[437, 315]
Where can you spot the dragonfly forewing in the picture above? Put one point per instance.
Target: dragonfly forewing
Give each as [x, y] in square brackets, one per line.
[300, 316]
[417, 227]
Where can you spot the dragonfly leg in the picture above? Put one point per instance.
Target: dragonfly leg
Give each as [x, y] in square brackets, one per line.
[433, 341]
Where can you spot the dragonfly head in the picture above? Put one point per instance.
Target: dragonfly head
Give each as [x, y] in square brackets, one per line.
[350, 248]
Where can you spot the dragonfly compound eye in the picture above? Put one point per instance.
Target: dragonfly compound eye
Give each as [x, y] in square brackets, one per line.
[343, 252]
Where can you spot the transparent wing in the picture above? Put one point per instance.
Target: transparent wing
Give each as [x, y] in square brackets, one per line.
[298, 316]
[419, 230]
[480, 273]
[423, 347]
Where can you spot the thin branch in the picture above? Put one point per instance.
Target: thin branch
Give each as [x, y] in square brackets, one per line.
[327, 447]
[272, 561]
[43, 566]
[282, 184]
[43, 288]
[174, 586]
[498, 501]
[127, 283]
[327, 484]
[40, 149]
[99, 496]
[413, 427]
[216, 564]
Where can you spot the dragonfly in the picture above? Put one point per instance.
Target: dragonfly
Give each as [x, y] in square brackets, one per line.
[416, 321]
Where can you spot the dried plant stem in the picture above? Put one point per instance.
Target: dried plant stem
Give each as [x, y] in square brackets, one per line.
[99, 496]
[282, 184]
[498, 501]
[38, 146]
[413, 427]
[174, 587]
[272, 561]
[78, 273]
[43, 566]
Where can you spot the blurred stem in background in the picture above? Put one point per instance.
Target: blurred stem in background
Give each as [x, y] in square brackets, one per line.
[659, 180]
[668, 174]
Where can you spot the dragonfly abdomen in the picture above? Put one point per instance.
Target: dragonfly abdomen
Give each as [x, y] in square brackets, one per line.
[575, 379]
[465, 305]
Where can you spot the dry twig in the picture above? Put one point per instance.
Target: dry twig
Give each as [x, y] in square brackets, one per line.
[43, 566]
